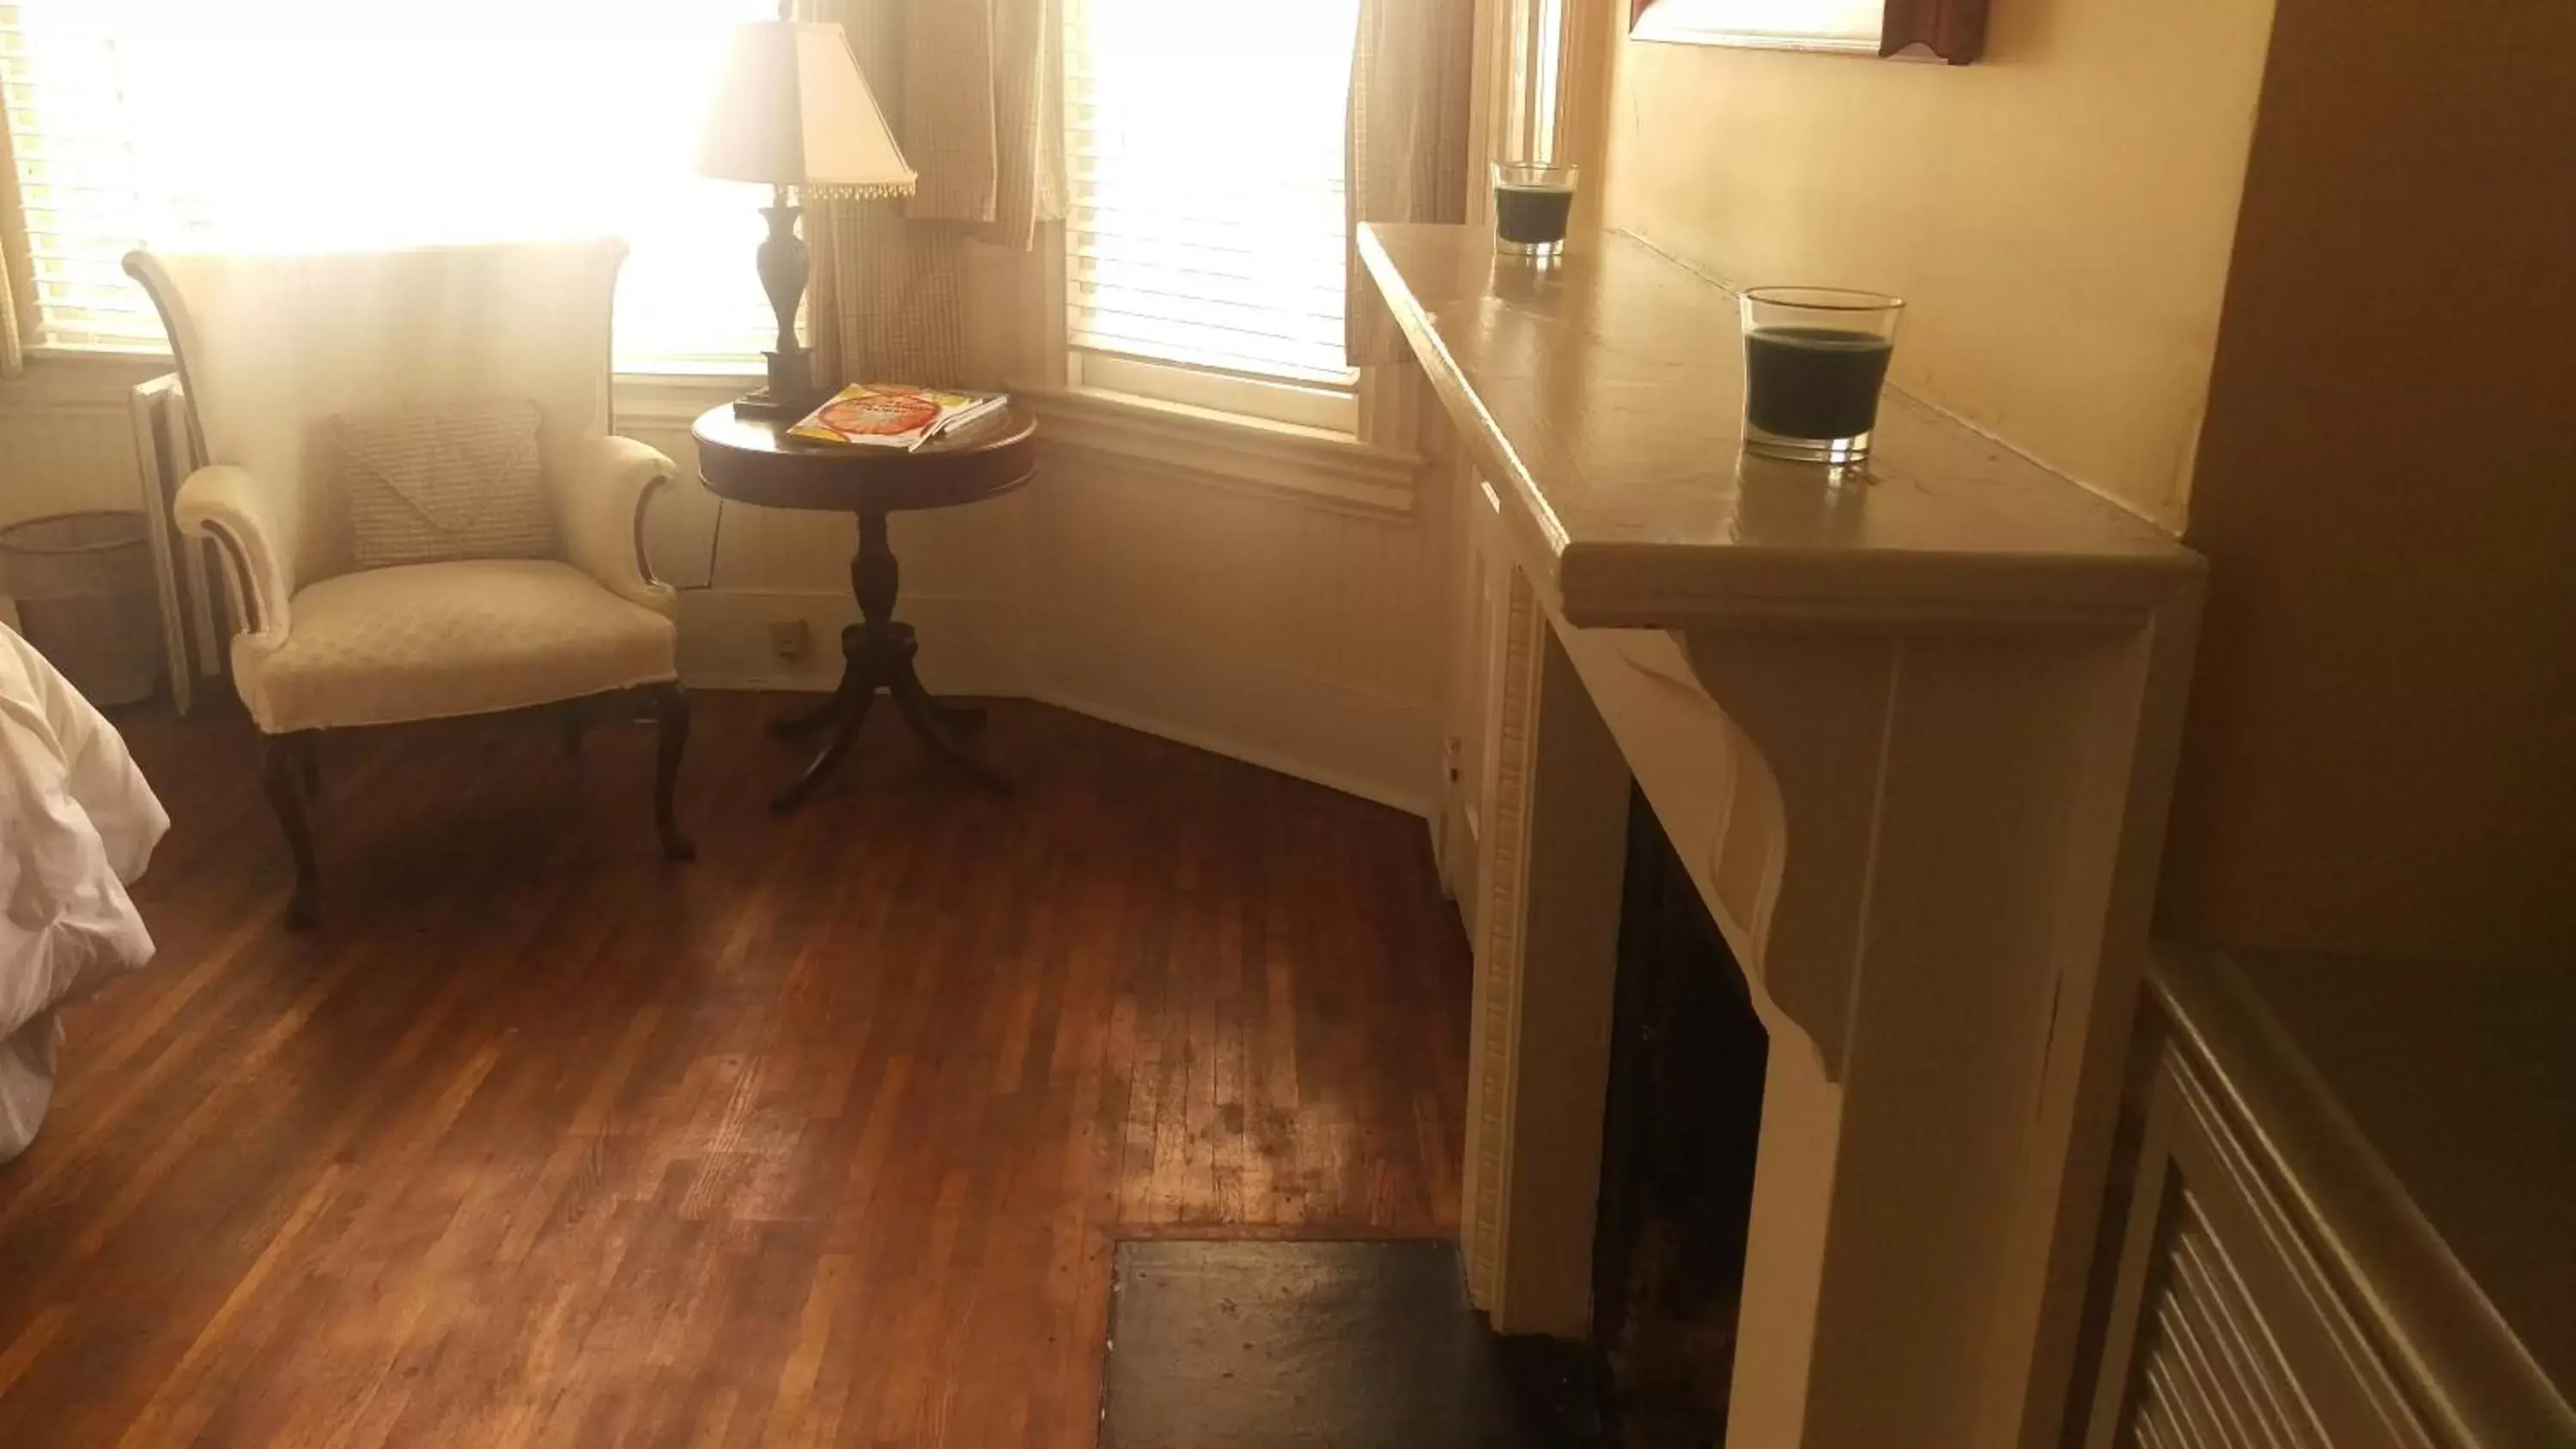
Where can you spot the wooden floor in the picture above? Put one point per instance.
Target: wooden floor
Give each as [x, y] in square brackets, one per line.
[819, 1140]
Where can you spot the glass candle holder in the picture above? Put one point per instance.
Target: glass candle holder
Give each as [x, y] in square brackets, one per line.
[1815, 359]
[1532, 206]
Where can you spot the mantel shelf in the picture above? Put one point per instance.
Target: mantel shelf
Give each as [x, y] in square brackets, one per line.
[1603, 392]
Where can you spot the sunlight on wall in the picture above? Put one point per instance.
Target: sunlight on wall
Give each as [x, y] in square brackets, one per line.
[323, 124]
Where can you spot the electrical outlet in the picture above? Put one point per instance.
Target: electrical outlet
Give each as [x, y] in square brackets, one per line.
[790, 638]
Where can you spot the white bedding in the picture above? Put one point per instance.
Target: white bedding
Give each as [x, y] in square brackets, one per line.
[77, 823]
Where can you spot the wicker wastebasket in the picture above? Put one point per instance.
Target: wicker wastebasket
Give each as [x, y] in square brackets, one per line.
[87, 599]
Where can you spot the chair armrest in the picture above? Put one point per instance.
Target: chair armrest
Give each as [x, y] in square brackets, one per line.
[228, 505]
[601, 499]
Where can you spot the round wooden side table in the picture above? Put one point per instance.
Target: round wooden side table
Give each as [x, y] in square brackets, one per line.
[749, 460]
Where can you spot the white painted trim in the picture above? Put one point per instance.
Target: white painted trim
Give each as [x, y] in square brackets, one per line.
[61, 380]
[1299, 404]
[1391, 397]
[1171, 441]
[1186, 444]
[146, 406]
[1719, 22]
[1494, 1024]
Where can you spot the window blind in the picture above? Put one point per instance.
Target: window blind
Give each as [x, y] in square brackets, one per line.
[76, 179]
[1204, 152]
[312, 125]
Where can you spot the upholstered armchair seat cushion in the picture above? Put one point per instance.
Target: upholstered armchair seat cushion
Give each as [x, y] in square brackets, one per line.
[431, 641]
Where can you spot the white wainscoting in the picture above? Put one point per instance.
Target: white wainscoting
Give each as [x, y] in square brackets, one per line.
[1283, 626]
[1286, 631]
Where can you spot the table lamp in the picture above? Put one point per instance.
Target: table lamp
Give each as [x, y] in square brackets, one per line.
[794, 111]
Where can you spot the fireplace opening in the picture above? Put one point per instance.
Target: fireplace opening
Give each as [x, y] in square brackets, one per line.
[1683, 1112]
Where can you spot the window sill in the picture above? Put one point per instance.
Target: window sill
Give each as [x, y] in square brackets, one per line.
[96, 357]
[64, 377]
[1315, 466]
[674, 399]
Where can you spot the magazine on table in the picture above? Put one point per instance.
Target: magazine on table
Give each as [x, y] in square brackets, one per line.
[892, 415]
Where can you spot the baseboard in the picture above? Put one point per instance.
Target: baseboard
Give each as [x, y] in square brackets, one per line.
[1455, 848]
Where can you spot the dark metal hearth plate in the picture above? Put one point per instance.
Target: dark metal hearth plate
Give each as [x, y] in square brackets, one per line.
[1299, 1346]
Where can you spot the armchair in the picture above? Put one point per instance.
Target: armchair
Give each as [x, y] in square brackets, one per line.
[271, 349]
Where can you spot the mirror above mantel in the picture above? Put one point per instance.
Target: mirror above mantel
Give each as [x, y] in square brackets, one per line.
[1945, 30]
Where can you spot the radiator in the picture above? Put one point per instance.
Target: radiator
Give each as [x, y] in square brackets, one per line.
[195, 616]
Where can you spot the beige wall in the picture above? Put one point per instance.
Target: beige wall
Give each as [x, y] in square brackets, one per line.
[2382, 749]
[2057, 214]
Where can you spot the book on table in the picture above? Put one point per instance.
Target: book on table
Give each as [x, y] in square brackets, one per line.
[891, 415]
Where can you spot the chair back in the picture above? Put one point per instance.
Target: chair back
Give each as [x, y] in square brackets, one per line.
[272, 347]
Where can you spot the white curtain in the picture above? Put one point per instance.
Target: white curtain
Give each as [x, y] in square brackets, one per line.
[1411, 77]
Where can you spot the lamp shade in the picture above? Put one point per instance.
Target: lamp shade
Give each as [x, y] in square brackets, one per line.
[794, 110]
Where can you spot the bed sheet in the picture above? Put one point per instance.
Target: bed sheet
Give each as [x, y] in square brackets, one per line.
[78, 823]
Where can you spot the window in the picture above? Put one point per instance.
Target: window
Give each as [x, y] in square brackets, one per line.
[1206, 231]
[316, 124]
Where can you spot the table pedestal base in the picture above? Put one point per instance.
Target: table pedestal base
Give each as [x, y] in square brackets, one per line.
[877, 654]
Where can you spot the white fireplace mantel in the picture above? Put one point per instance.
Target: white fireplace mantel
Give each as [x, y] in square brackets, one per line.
[1912, 737]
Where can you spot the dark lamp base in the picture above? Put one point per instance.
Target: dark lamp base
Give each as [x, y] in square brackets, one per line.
[791, 393]
[764, 404]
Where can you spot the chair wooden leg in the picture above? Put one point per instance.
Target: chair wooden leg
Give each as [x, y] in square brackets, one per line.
[671, 717]
[284, 772]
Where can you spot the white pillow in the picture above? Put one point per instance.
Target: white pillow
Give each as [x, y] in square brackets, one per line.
[432, 487]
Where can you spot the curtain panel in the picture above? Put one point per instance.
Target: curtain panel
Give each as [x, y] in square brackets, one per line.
[17, 279]
[973, 89]
[1412, 75]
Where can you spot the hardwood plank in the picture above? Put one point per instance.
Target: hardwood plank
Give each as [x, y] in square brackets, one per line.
[822, 1140]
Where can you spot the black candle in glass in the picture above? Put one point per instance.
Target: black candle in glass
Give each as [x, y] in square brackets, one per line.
[1815, 359]
[1532, 205]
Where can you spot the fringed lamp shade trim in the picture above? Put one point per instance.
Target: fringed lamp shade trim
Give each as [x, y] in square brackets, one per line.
[842, 191]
